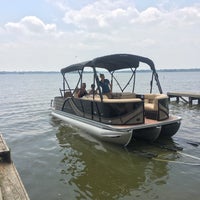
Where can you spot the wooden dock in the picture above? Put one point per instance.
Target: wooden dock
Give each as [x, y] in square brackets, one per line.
[187, 97]
[11, 186]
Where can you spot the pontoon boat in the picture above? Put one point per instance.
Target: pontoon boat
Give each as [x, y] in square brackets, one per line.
[123, 115]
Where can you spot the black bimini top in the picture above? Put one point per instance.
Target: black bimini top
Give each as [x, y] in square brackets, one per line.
[111, 63]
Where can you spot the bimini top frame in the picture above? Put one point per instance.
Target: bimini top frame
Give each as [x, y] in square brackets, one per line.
[116, 62]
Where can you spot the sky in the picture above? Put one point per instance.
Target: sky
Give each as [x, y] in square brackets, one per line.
[47, 35]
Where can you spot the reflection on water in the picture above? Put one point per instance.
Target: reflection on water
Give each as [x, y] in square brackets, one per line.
[110, 174]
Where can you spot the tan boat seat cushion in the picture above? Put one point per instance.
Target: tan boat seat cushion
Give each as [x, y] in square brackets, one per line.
[151, 101]
[107, 100]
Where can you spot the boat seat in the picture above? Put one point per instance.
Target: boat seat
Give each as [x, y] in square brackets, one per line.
[76, 92]
[151, 101]
[153, 106]
[122, 100]
[123, 95]
[107, 100]
[128, 95]
[67, 94]
[96, 97]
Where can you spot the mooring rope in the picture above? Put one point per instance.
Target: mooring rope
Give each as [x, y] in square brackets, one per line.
[188, 155]
[180, 162]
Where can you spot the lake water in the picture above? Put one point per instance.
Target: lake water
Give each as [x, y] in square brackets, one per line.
[57, 161]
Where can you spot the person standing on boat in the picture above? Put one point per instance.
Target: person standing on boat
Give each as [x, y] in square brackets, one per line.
[82, 92]
[105, 85]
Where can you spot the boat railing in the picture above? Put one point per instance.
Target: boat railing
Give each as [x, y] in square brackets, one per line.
[68, 93]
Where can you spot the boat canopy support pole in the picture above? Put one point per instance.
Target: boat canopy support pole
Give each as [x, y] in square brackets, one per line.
[134, 74]
[158, 82]
[151, 64]
[118, 83]
[122, 89]
[151, 83]
[80, 79]
[112, 80]
[97, 81]
[65, 81]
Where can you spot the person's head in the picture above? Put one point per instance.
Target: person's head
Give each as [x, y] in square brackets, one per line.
[83, 85]
[93, 86]
[102, 76]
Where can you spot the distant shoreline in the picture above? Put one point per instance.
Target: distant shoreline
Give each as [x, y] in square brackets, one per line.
[54, 72]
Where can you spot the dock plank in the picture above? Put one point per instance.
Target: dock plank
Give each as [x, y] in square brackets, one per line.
[187, 97]
[184, 94]
[11, 186]
[4, 151]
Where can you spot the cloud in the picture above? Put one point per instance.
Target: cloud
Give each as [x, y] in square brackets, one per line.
[188, 15]
[151, 14]
[101, 15]
[121, 23]
[30, 25]
[104, 14]
[102, 27]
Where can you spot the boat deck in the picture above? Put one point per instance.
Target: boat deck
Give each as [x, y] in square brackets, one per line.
[150, 123]
[171, 118]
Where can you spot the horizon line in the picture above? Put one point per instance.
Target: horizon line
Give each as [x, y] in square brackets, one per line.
[44, 71]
